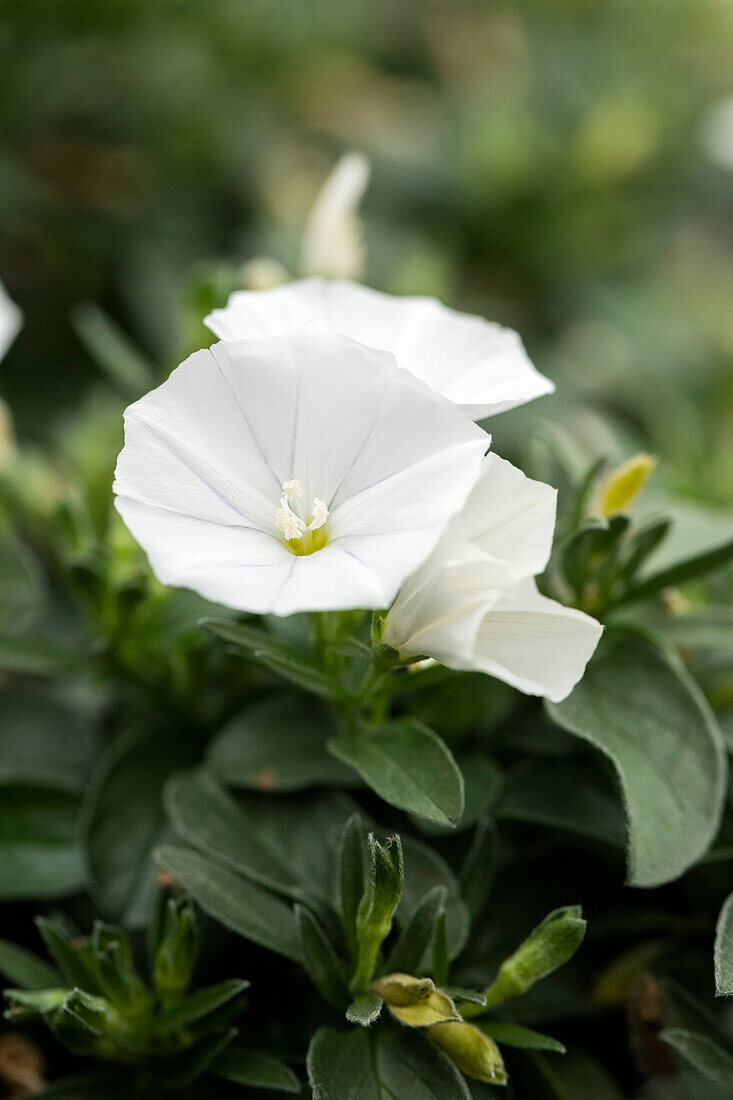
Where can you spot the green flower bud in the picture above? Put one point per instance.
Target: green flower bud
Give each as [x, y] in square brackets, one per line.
[176, 952]
[550, 945]
[474, 1053]
[385, 872]
[117, 975]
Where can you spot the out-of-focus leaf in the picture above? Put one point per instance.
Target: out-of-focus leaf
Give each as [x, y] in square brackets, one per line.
[40, 853]
[257, 1071]
[407, 765]
[278, 657]
[22, 585]
[424, 869]
[680, 573]
[198, 1004]
[321, 963]
[113, 350]
[44, 739]
[278, 744]
[24, 969]
[652, 721]
[563, 794]
[236, 902]
[125, 819]
[417, 935]
[704, 1054]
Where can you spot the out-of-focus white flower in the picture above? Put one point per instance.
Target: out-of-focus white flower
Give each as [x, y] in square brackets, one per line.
[717, 133]
[8, 447]
[11, 319]
[299, 472]
[263, 273]
[333, 243]
[474, 604]
[476, 364]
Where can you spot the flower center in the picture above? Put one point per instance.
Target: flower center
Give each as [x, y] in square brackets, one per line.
[301, 536]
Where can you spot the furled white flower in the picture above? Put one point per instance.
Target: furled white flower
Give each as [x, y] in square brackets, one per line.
[332, 240]
[474, 603]
[11, 319]
[476, 364]
[299, 472]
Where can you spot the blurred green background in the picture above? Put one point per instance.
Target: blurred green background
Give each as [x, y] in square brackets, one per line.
[562, 166]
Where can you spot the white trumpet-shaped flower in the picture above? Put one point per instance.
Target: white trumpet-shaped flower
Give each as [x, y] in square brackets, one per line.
[300, 472]
[11, 319]
[476, 364]
[474, 604]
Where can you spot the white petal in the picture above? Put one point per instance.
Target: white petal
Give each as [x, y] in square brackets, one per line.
[476, 364]
[510, 517]
[11, 319]
[332, 241]
[537, 645]
[200, 477]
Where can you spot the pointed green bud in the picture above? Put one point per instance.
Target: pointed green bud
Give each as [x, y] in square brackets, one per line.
[550, 945]
[177, 950]
[385, 872]
[117, 975]
[474, 1053]
[81, 1021]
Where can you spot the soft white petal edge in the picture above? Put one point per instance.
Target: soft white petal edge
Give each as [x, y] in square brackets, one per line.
[11, 319]
[475, 363]
[535, 644]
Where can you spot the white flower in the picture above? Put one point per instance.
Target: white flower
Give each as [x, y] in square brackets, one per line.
[11, 319]
[300, 472]
[476, 364]
[332, 240]
[474, 604]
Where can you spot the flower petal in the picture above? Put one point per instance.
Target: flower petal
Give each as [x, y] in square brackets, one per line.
[510, 517]
[200, 477]
[11, 319]
[476, 364]
[537, 645]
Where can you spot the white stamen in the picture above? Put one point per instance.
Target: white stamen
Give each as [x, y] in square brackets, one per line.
[292, 490]
[287, 521]
[319, 514]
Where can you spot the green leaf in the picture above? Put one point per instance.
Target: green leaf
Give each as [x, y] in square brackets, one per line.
[479, 867]
[704, 1054]
[40, 854]
[113, 350]
[39, 656]
[464, 996]
[441, 952]
[44, 739]
[25, 969]
[22, 584]
[260, 1071]
[381, 1062]
[365, 1010]
[198, 1004]
[408, 766]
[125, 820]
[653, 723]
[198, 1059]
[351, 869]
[279, 658]
[321, 963]
[417, 934]
[95, 1086]
[571, 795]
[512, 1035]
[278, 744]
[424, 869]
[724, 950]
[234, 901]
[679, 573]
[72, 958]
